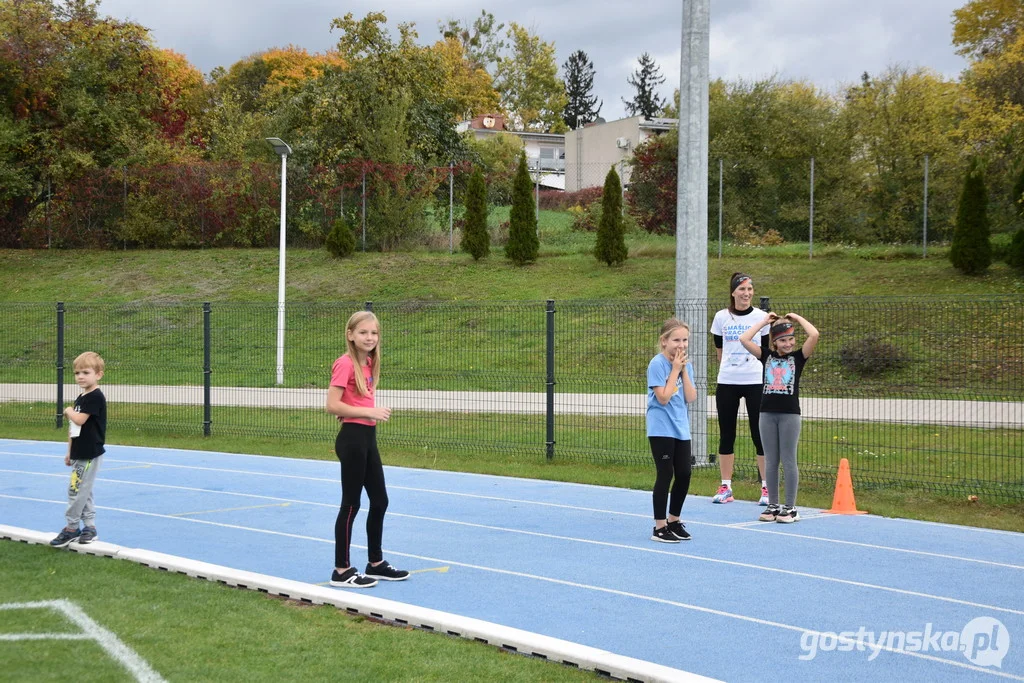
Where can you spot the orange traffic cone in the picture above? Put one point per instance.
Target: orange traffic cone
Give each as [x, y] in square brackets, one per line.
[843, 502]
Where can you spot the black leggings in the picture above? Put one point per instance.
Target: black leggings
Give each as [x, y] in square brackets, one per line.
[727, 402]
[671, 458]
[356, 448]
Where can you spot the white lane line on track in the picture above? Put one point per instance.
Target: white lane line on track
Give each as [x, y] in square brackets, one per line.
[537, 534]
[742, 526]
[574, 584]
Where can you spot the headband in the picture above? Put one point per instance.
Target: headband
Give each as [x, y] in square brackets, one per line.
[781, 329]
[738, 280]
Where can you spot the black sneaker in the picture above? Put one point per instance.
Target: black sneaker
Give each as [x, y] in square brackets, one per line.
[88, 535]
[65, 537]
[788, 515]
[677, 529]
[386, 572]
[663, 535]
[770, 514]
[350, 578]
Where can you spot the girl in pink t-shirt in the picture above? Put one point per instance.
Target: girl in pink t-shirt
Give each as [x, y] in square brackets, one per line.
[351, 397]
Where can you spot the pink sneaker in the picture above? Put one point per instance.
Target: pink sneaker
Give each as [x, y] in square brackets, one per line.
[764, 496]
[724, 495]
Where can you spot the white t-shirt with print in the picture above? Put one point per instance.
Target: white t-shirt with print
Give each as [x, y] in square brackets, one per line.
[738, 365]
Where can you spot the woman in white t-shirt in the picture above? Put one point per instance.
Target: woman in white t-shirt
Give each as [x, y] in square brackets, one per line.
[739, 376]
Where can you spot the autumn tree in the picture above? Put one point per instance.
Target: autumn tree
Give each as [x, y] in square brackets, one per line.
[468, 87]
[481, 42]
[183, 103]
[646, 101]
[387, 105]
[987, 27]
[582, 106]
[990, 34]
[523, 246]
[79, 91]
[766, 132]
[527, 78]
[1015, 255]
[894, 120]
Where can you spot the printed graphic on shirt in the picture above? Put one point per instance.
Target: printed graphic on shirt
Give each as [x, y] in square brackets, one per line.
[779, 375]
[732, 333]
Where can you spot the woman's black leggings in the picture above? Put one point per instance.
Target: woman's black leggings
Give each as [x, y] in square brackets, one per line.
[727, 402]
[356, 448]
[671, 458]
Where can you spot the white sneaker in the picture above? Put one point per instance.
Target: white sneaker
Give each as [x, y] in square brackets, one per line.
[788, 515]
[724, 495]
[764, 496]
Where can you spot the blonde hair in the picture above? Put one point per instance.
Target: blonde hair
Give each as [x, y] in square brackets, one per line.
[354, 321]
[89, 359]
[670, 326]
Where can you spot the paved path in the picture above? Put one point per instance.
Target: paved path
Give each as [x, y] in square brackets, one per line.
[900, 411]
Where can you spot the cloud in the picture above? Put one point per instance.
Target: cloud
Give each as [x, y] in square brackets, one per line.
[827, 42]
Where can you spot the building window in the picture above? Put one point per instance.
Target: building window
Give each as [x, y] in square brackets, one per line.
[552, 158]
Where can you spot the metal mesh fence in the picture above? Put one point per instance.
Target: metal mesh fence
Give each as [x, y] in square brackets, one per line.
[914, 392]
[759, 201]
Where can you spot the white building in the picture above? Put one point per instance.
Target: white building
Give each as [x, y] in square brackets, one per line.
[593, 149]
[544, 151]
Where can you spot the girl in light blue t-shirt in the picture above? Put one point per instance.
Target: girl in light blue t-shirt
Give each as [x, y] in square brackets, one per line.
[669, 390]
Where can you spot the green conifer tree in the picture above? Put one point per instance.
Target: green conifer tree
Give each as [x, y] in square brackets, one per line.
[971, 251]
[523, 245]
[611, 242]
[1015, 256]
[341, 240]
[475, 239]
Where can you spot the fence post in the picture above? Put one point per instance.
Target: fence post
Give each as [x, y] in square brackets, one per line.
[124, 199]
[49, 232]
[924, 240]
[207, 370]
[810, 253]
[368, 306]
[451, 207]
[364, 207]
[60, 364]
[719, 208]
[550, 344]
[622, 185]
[766, 304]
[536, 197]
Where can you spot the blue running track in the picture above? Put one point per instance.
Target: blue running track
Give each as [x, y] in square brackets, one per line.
[742, 601]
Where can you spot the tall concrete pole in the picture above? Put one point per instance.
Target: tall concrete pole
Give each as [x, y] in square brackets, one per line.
[692, 206]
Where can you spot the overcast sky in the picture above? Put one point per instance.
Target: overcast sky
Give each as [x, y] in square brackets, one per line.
[828, 42]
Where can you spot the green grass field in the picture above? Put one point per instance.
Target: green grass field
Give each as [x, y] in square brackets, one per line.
[192, 630]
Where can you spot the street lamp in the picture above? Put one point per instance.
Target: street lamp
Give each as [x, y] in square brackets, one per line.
[282, 148]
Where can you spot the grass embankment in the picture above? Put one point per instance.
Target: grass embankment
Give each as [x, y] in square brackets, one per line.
[565, 270]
